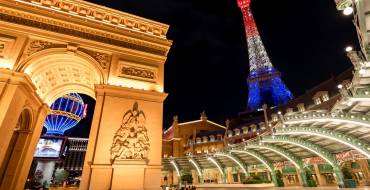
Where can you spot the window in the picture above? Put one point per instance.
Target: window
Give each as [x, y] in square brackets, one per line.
[237, 131]
[325, 97]
[229, 133]
[274, 117]
[301, 107]
[317, 101]
[198, 140]
[212, 138]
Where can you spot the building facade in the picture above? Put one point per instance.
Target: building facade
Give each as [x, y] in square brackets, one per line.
[49, 48]
[321, 138]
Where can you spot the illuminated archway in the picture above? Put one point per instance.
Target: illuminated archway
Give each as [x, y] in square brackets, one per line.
[348, 140]
[262, 159]
[322, 152]
[297, 161]
[176, 167]
[219, 167]
[56, 72]
[198, 168]
[235, 160]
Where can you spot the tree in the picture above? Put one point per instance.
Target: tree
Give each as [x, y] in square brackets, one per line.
[60, 176]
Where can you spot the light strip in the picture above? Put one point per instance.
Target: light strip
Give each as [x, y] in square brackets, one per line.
[217, 165]
[317, 153]
[282, 154]
[196, 166]
[326, 120]
[216, 124]
[176, 168]
[246, 152]
[324, 136]
[233, 159]
[189, 122]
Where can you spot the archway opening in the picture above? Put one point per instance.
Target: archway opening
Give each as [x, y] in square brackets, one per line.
[59, 156]
[65, 80]
[16, 144]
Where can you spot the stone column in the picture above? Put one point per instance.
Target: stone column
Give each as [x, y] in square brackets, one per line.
[114, 122]
[320, 179]
[18, 137]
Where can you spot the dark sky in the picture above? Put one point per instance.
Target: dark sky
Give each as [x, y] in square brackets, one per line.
[207, 66]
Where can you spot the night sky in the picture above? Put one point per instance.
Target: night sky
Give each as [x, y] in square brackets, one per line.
[207, 65]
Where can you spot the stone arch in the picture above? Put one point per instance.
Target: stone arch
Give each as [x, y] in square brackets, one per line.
[235, 160]
[25, 119]
[56, 72]
[15, 150]
[348, 140]
[316, 149]
[262, 159]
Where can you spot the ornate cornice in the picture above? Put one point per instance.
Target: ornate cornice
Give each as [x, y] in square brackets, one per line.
[63, 27]
[105, 15]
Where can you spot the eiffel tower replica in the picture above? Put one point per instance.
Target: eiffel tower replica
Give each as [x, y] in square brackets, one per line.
[264, 82]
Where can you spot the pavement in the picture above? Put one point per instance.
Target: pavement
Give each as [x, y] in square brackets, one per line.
[287, 188]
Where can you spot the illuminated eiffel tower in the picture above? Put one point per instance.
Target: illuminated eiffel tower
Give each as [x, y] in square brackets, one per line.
[264, 82]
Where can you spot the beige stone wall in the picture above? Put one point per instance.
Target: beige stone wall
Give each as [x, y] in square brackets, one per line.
[21, 118]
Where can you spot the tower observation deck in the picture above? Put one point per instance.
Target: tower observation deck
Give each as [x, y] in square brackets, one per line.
[264, 82]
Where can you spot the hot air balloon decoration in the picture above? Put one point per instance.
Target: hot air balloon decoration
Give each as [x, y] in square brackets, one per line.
[65, 114]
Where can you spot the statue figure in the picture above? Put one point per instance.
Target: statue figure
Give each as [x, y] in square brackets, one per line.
[131, 140]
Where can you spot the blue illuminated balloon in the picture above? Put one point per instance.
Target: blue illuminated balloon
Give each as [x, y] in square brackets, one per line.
[66, 112]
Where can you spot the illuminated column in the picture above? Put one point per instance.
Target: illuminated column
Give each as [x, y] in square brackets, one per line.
[131, 116]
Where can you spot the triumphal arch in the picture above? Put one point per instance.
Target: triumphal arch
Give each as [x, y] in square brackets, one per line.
[49, 48]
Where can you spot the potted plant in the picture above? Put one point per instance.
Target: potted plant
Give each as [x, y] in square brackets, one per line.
[349, 182]
[310, 181]
[279, 179]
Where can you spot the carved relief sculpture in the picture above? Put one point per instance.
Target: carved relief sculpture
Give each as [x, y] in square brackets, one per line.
[138, 72]
[131, 140]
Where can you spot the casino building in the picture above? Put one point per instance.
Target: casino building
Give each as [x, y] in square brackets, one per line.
[321, 138]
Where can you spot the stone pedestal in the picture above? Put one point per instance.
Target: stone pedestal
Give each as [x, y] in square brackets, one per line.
[111, 162]
[128, 174]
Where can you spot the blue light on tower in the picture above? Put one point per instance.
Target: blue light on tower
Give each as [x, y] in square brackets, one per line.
[264, 82]
[66, 112]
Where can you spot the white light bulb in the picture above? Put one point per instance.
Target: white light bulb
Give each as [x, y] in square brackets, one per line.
[348, 11]
[349, 48]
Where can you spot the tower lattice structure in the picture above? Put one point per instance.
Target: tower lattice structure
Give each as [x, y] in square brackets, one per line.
[264, 82]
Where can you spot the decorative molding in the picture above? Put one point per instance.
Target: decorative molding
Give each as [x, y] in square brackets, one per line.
[131, 141]
[133, 71]
[6, 45]
[38, 45]
[102, 58]
[62, 27]
[103, 15]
